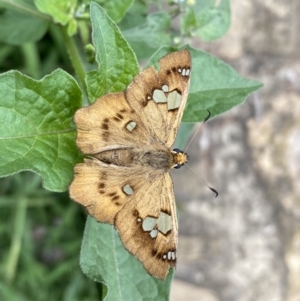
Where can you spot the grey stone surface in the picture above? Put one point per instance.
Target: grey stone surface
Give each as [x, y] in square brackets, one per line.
[184, 291]
[245, 244]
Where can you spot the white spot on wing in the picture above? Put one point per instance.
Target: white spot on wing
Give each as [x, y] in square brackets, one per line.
[149, 223]
[153, 233]
[131, 126]
[184, 72]
[173, 255]
[174, 100]
[164, 256]
[164, 223]
[165, 88]
[169, 255]
[127, 189]
[159, 96]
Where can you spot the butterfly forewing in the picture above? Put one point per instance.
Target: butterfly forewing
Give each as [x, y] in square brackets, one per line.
[125, 180]
[104, 125]
[159, 97]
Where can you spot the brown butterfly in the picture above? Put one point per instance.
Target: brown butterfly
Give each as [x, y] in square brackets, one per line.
[124, 180]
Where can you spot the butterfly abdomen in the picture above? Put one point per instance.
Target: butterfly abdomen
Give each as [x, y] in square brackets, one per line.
[131, 157]
[119, 157]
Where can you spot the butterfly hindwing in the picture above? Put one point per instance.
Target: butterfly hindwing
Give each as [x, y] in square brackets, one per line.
[148, 226]
[140, 204]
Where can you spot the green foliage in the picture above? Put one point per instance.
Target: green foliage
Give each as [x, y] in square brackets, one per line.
[37, 133]
[115, 9]
[117, 63]
[61, 11]
[207, 19]
[40, 243]
[216, 86]
[33, 28]
[123, 274]
[152, 33]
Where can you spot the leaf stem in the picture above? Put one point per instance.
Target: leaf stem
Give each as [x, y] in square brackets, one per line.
[32, 60]
[75, 58]
[15, 247]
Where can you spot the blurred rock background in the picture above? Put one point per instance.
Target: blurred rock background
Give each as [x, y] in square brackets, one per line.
[245, 244]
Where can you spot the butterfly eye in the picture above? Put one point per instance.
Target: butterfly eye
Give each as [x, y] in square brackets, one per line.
[177, 166]
[177, 151]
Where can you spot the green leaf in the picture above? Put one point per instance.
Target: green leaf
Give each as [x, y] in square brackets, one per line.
[60, 10]
[17, 28]
[116, 9]
[72, 27]
[104, 259]
[117, 63]
[183, 134]
[136, 16]
[36, 127]
[207, 19]
[151, 35]
[188, 22]
[215, 86]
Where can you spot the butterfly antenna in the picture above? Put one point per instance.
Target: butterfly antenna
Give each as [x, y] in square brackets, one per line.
[212, 189]
[207, 117]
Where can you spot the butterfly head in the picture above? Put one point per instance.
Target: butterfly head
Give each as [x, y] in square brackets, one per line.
[179, 158]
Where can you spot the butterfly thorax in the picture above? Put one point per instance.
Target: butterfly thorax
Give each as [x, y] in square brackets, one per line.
[164, 159]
